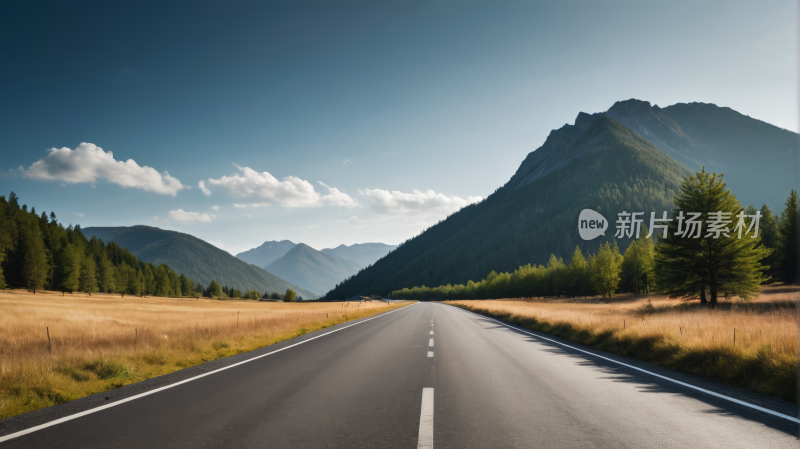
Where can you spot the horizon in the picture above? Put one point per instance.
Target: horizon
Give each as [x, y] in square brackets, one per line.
[330, 126]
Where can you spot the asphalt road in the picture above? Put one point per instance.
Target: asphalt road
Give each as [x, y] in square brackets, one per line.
[486, 386]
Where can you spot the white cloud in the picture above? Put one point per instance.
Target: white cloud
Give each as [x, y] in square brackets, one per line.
[245, 206]
[336, 197]
[396, 202]
[189, 217]
[345, 162]
[290, 192]
[78, 214]
[202, 186]
[88, 162]
[214, 207]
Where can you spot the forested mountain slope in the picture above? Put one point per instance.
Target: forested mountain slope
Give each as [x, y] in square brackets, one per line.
[757, 158]
[197, 259]
[603, 166]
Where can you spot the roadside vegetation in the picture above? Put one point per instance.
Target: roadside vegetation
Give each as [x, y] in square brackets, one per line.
[56, 348]
[750, 345]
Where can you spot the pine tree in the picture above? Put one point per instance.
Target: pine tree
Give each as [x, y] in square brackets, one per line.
[187, 287]
[788, 247]
[88, 278]
[69, 262]
[149, 280]
[769, 238]
[176, 285]
[122, 278]
[35, 266]
[106, 274]
[163, 287]
[710, 264]
[7, 236]
[142, 283]
[136, 282]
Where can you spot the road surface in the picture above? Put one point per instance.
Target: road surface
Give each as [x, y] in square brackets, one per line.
[425, 375]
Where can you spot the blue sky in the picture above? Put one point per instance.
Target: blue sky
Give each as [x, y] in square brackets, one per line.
[406, 110]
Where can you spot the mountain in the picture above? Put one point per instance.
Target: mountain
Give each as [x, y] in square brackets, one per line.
[632, 157]
[197, 259]
[362, 253]
[596, 163]
[747, 150]
[266, 253]
[312, 269]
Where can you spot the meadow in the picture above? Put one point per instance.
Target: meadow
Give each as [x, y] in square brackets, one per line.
[56, 348]
[747, 344]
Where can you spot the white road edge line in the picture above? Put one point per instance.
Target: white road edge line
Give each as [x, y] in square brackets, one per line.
[425, 439]
[703, 390]
[430, 343]
[11, 436]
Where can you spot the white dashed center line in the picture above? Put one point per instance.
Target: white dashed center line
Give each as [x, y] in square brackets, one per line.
[425, 440]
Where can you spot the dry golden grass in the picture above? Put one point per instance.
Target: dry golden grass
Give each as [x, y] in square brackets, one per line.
[674, 333]
[102, 342]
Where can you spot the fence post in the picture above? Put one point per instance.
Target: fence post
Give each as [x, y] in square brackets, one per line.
[49, 343]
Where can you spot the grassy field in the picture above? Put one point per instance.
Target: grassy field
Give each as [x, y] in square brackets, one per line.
[101, 342]
[676, 334]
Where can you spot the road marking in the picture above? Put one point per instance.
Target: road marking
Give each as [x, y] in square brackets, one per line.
[425, 439]
[148, 393]
[703, 390]
[430, 343]
[431, 332]
[430, 353]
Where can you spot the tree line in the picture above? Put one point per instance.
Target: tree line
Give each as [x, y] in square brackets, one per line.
[216, 291]
[704, 268]
[37, 252]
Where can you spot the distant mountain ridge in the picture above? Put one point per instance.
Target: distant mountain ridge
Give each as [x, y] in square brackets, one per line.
[361, 253]
[197, 259]
[267, 253]
[316, 270]
[312, 269]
